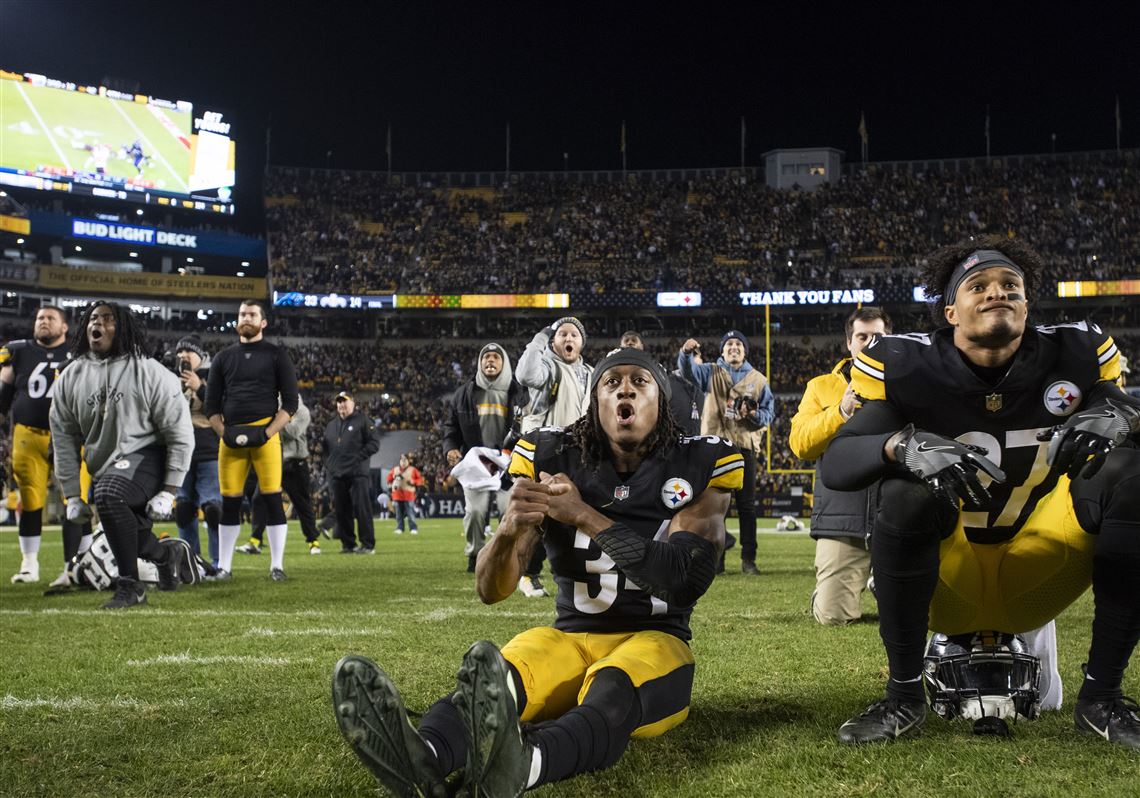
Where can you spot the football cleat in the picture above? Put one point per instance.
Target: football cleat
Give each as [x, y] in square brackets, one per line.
[415, 530]
[314, 547]
[250, 548]
[1117, 720]
[398, 531]
[222, 575]
[498, 761]
[29, 571]
[372, 717]
[277, 574]
[887, 719]
[128, 593]
[365, 550]
[531, 587]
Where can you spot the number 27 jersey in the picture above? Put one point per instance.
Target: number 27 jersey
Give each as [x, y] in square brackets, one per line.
[1053, 373]
[36, 368]
[593, 593]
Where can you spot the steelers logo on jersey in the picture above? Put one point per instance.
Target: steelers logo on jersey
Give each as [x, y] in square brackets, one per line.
[676, 492]
[1062, 398]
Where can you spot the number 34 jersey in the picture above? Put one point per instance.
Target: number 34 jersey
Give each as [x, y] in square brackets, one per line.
[36, 368]
[593, 593]
[926, 381]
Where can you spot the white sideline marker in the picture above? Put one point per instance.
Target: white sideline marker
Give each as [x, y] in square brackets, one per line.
[80, 703]
[229, 659]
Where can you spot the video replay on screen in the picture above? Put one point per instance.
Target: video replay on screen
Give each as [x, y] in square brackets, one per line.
[94, 141]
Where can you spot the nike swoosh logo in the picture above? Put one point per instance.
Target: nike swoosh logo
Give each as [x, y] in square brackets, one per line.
[925, 447]
[1102, 732]
[899, 731]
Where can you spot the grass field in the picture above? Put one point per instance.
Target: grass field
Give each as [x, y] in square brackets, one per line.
[223, 690]
[44, 127]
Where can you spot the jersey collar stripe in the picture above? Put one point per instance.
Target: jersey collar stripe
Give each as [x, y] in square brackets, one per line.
[869, 361]
[870, 371]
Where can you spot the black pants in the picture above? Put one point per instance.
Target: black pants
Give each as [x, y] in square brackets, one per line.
[352, 499]
[746, 507]
[297, 483]
[120, 497]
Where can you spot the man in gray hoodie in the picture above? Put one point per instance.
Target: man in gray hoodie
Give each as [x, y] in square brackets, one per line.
[128, 417]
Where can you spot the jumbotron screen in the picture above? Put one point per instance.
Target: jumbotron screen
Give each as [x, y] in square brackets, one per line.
[95, 141]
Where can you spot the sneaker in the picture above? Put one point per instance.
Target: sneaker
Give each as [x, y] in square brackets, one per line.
[531, 587]
[884, 720]
[399, 531]
[277, 574]
[365, 550]
[748, 567]
[249, 548]
[372, 717]
[415, 530]
[128, 593]
[1116, 719]
[349, 550]
[498, 761]
[63, 580]
[314, 547]
[221, 575]
[29, 571]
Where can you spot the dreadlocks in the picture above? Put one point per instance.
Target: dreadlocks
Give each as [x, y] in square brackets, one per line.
[587, 434]
[942, 263]
[130, 334]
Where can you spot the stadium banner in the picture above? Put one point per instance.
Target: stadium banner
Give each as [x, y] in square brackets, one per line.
[678, 299]
[812, 296]
[107, 143]
[61, 278]
[1080, 288]
[298, 299]
[24, 273]
[62, 225]
[441, 505]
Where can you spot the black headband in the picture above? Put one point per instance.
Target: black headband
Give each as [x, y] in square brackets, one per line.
[976, 261]
[628, 356]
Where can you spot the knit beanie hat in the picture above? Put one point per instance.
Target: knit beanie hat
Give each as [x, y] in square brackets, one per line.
[571, 320]
[738, 335]
[191, 343]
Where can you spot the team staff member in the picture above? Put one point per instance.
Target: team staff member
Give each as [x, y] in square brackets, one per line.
[616, 663]
[350, 442]
[1004, 533]
[120, 411]
[481, 413]
[28, 371]
[250, 397]
[739, 406]
[841, 521]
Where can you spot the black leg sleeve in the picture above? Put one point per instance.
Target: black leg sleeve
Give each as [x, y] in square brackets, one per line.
[298, 484]
[122, 509]
[904, 556]
[1108, 505]
[442, 727]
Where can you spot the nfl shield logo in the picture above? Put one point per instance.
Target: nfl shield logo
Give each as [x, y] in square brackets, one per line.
[993, 402]
[621, 492]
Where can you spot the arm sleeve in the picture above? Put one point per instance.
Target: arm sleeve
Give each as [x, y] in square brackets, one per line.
[854, 459]
[301, 420]
[696, 373]
[67, 438]
[287, 382]
[215, 387]
[536, 366]
[171, 417]
[371, 439]
[1103, 391]
[815, 422]
[678, 570]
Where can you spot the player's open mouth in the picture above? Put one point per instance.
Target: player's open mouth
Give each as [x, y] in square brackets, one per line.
[626, 413]
[96, 334]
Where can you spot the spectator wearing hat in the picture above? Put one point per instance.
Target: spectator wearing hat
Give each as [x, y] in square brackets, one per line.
[349, 445]
[739, 407]
[552, 368]
[200, 489]
[481, 413]
[685, 401]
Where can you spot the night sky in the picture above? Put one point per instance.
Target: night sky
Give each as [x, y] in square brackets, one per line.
[449, 76]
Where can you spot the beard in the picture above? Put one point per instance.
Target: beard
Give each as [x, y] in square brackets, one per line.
[1001, 332]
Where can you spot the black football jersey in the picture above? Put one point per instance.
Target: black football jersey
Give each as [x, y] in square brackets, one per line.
[36, 368]
[593, 593]
[924, 378]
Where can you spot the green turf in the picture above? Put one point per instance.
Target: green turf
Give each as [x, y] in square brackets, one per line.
[48, 127]
[223, 690]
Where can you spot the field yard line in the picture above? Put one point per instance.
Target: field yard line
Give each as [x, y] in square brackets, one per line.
[77, 702]
[157, 152]
[43, 124]
[226, 659]
[320, 631]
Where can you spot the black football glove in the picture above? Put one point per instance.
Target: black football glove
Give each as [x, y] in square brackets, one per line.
[244, 437]
[1079, 446]
[949, 467]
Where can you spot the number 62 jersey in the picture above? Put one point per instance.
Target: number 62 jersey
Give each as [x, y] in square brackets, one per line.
[593, 593]
[36, 368]
[924, 379]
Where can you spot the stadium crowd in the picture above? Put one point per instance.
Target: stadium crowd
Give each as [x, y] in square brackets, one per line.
[350, 232]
